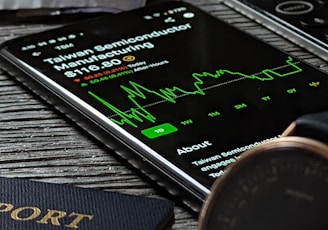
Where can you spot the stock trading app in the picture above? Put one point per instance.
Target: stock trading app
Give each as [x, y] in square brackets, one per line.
[192, 88]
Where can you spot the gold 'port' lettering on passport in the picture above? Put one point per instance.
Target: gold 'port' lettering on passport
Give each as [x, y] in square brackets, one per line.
[51, 217]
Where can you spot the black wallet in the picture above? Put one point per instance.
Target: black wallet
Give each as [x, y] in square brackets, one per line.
[30, 205]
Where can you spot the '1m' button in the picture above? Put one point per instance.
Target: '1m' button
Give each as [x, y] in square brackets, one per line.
[159, 130]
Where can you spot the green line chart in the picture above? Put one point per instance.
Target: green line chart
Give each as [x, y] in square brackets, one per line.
[135, 92]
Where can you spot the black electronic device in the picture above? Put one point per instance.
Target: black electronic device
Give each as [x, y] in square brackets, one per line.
[303, 22]
[174, 90]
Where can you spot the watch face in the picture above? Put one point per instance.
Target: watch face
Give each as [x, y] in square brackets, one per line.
[282, 184]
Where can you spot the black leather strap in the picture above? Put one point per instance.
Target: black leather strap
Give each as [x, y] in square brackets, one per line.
[313, 126]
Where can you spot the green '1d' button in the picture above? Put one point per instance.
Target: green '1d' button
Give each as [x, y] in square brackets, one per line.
[159, 130]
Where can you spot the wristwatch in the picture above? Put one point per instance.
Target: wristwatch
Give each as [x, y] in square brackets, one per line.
[282, 184]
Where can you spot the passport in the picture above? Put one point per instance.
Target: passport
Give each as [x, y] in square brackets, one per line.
[31, 205]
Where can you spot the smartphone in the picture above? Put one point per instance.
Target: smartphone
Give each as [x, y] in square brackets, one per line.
[173, 90]
[303, 22]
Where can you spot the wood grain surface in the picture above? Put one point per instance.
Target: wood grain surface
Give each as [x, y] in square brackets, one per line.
[39, 143]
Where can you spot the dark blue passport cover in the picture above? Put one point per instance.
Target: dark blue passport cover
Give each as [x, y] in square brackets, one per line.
[29, 205]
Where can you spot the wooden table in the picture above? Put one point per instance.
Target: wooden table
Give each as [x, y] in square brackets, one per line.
[39, 143]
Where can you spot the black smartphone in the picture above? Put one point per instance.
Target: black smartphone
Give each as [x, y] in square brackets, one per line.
[303, 22]
[174, 90]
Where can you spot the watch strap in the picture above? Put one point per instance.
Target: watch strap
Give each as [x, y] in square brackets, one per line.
[314, 125]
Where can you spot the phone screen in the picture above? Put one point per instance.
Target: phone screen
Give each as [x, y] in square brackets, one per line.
[174, 81]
